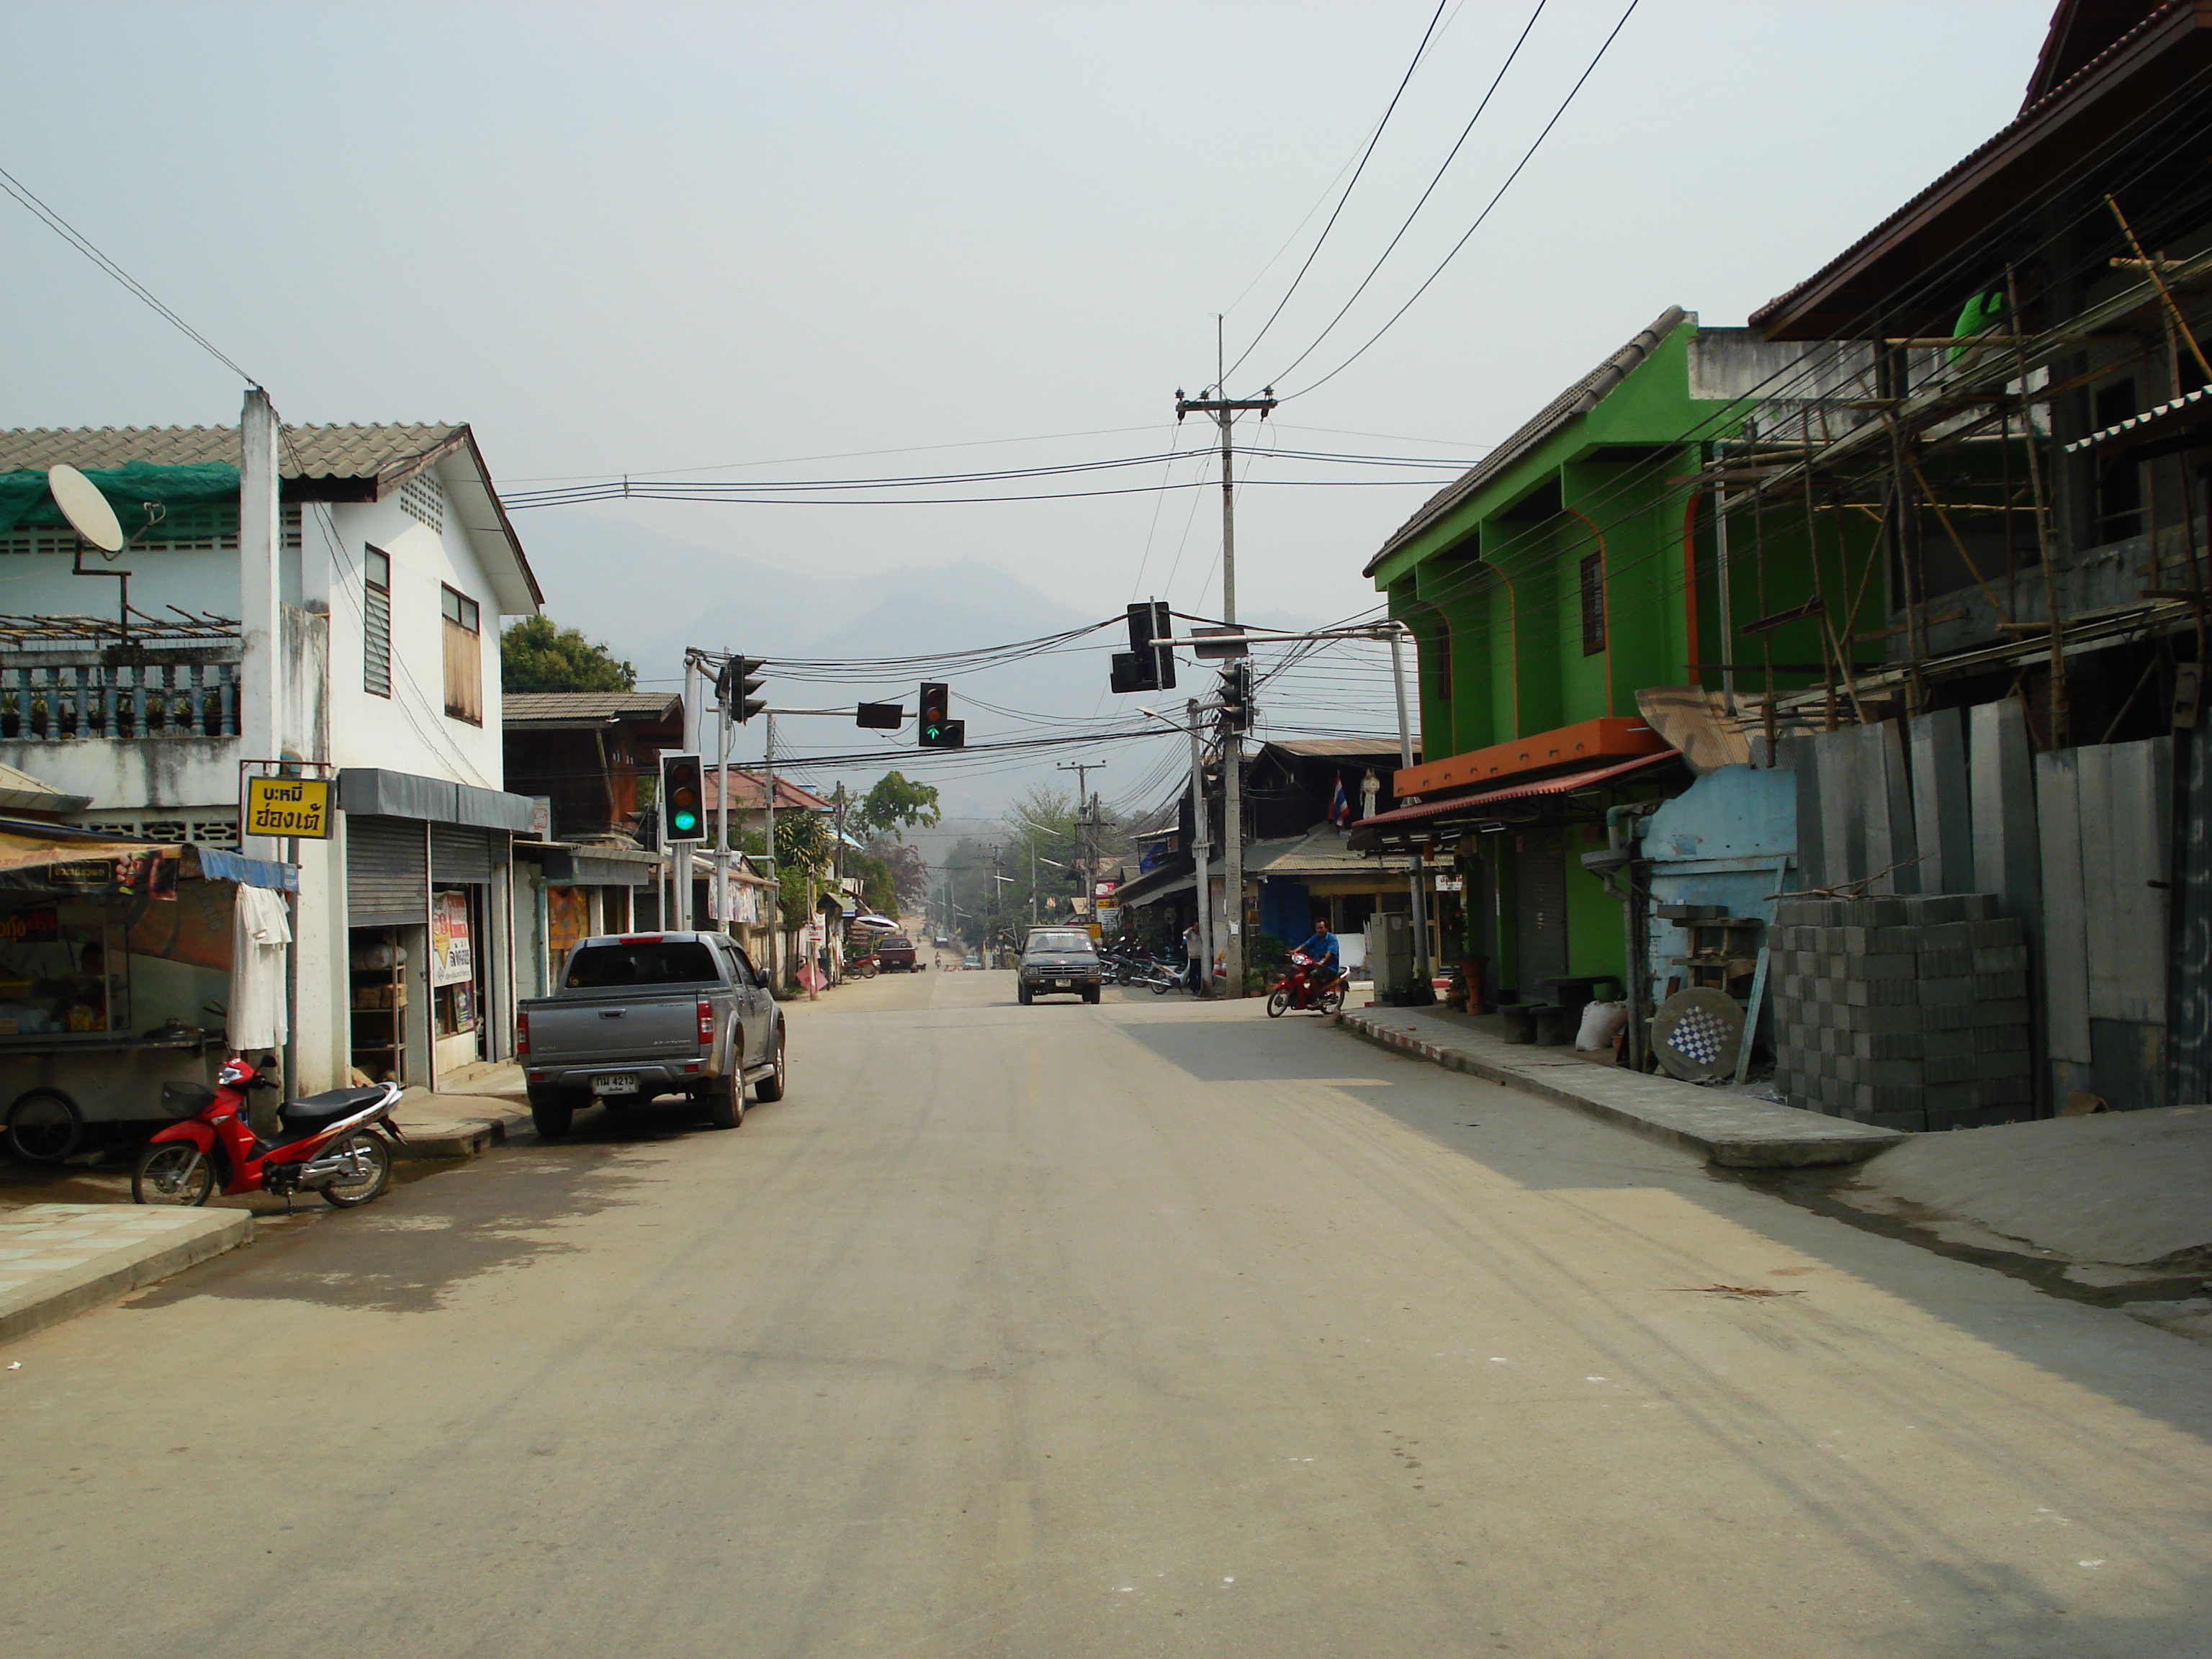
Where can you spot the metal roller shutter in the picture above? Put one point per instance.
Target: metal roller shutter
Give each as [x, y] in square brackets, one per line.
[387, 874]
[1540, 908]
[459, 852]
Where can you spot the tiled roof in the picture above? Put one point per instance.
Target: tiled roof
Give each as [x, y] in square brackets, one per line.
[1334, 748]
[746, 793]
[587, 708]
[384, 454]
[1579, 398]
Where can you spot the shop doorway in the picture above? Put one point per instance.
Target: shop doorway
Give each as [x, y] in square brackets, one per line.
[457, 986]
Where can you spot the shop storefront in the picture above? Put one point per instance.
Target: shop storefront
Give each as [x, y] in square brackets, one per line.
[125, 967]
[429, 920]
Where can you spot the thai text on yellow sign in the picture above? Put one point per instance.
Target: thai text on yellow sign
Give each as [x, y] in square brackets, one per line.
[287, 806]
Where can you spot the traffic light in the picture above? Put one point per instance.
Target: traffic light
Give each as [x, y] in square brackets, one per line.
[937, 732]
[1145, 665]
[1237, 695]
[682, 798]
[879, 716]
[737, 688]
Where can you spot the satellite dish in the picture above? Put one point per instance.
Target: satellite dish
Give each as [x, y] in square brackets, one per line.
[85, 508]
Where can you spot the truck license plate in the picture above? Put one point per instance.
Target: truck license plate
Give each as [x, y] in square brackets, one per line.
[1063, 985]
[622, 1083]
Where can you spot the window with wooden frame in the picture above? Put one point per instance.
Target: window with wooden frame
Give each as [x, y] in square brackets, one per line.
[376, 622]
[1593, 604]
[463, 658]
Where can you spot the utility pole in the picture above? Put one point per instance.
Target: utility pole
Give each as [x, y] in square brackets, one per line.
[1201, 850]
[1224, 409]
[775, 879]
[1083, 769]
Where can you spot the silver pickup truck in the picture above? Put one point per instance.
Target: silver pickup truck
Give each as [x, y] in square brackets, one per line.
[643, 1015]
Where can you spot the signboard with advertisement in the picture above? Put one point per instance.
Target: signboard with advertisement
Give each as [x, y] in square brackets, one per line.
[452, 952]
[287, 806]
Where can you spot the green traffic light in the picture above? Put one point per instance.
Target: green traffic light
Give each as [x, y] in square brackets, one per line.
[686, 820]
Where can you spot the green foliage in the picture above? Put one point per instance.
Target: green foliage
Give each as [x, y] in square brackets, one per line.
[537, 654]
[894, 802]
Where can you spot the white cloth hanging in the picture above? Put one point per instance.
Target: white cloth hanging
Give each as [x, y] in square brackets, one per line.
[261, 929]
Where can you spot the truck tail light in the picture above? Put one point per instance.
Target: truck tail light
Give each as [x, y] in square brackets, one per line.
[521, 1032]
[706, 1022]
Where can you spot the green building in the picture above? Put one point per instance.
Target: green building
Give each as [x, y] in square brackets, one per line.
[1575, 568]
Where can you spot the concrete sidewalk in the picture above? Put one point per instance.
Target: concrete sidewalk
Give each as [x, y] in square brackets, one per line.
[58, 1260]
[1725, 1127]
[483, 1109]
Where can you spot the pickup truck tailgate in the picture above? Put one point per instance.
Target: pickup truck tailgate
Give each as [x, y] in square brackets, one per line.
[633, 1026]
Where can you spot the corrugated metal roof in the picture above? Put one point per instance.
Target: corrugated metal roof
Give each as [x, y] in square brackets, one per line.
[319, 463]
[587, 707]
[1364, 832]
[386, 454]
[1332, 748]
[746, 793]
[1577, 399]
[2048, 110]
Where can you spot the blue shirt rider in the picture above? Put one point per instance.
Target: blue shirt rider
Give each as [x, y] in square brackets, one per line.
[1322, 948]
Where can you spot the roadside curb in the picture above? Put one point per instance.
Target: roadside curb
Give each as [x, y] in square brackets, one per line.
[458, 1136]
[57, 1261]
[1730, 1131]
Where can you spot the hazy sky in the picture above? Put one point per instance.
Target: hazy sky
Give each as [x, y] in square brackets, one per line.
[627, 239]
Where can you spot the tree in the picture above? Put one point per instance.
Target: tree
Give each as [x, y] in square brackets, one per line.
[537, 654]
[904, 867]
[896, 802]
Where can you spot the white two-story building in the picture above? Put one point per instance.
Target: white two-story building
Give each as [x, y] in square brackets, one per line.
[337, 614]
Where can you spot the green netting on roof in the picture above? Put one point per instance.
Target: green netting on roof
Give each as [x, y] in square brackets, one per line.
[182, 501]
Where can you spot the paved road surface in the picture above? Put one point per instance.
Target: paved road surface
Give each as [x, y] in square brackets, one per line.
[1148, 1328]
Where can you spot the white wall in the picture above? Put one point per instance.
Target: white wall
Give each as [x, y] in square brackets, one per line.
[408, 730]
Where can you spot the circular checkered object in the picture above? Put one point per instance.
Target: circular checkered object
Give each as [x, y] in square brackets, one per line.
[1695, 1034]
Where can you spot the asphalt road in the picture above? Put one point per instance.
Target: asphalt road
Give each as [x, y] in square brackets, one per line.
[1147, 1328]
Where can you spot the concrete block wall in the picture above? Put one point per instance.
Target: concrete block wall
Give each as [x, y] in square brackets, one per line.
[1908, 1012]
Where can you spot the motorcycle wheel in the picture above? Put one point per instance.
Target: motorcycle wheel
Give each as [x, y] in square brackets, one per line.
[43, 1127]
[1279, 1001]
[1331, 1000]
[159, 1178]
[348, 1195]
[1162, 985]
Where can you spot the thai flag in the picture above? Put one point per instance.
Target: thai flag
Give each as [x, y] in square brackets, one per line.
[1339, 804]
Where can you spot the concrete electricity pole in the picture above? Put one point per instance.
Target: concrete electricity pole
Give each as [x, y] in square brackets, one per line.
[1224, 409]
[1085, 862]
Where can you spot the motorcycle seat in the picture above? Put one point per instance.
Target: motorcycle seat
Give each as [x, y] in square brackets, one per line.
[312, 1109]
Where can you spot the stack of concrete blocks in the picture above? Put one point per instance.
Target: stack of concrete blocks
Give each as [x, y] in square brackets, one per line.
[1908, 1012]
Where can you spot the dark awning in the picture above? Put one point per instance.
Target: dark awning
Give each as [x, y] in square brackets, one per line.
[1407, 825]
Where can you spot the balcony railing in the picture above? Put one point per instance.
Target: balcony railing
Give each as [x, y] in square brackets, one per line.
[68, 696]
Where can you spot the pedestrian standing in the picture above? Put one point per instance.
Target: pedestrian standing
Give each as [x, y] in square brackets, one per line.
[1195, 951]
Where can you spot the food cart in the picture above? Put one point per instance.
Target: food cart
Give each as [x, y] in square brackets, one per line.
[116, 966]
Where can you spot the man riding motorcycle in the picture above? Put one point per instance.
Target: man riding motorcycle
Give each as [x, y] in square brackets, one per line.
[1322, 948]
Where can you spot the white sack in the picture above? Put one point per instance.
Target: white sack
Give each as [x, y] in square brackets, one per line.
[1601, 1021]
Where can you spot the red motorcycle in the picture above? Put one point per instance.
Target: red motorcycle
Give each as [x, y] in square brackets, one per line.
[337, 1144]
[1309, 984]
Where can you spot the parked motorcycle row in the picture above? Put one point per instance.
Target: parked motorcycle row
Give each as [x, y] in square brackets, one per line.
[1130, 966]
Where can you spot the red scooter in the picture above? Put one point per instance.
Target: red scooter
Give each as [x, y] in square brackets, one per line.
[337, 1144]
[1307, 986]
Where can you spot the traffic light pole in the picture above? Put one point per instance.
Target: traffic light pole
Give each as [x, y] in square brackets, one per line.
[1224, 409]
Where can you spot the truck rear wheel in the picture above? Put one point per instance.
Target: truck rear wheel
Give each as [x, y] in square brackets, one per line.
[725, 1100]
[771, 1086]
[550, 1116]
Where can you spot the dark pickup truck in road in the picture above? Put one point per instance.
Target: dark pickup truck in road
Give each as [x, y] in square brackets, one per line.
[894, 951]
[643, 1015]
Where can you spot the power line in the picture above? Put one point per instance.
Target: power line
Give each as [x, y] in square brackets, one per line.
[1528, 155]
[1497, 81]
[1313, 253]
[84, 244]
